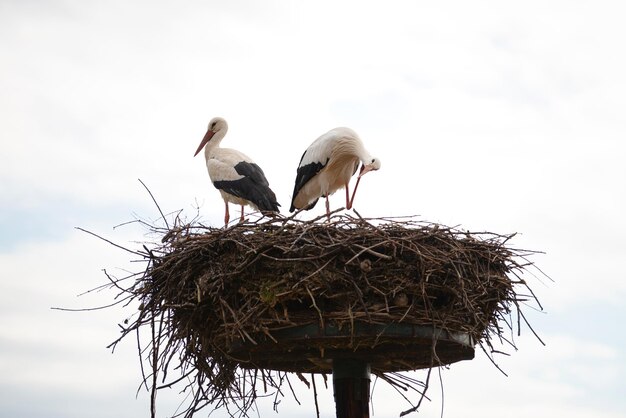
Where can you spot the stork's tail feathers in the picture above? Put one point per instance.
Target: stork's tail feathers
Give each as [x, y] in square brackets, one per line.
[269, 206]
[266, 201]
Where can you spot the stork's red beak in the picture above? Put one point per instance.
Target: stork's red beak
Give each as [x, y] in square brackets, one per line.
[365, 169]
[207, 138]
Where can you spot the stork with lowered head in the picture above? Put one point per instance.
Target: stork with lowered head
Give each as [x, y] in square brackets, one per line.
[327, 165]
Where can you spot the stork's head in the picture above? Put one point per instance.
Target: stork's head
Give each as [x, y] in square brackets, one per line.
[372, 164]
[217, 125]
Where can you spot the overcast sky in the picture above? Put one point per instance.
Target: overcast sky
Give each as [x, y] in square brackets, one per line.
[498, 116]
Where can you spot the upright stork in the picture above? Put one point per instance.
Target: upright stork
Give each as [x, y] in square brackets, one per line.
[239, 179]
[327, 166]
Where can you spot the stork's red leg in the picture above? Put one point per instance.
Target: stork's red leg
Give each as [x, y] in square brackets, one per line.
[354, 192]
[226, 214]
[327, 209]
[348, 201]
[241, 219]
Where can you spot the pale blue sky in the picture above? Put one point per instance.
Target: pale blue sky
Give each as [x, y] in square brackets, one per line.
[491, 115]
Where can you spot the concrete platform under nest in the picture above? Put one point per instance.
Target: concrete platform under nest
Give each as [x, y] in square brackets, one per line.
[386, 348]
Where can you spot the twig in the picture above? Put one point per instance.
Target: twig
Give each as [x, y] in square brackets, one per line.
[110, 242]
[317, 407]
[155, 202]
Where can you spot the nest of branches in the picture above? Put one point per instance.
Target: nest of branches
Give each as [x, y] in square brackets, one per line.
[237, 310]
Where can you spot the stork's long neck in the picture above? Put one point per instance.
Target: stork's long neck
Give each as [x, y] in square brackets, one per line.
[365, 157]
[214, 143]
[361, 152]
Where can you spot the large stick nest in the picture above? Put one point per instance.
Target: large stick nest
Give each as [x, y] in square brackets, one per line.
[231, 307]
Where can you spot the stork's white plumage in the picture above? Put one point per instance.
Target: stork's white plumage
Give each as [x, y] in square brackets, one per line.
[239, 179]
[327, 166]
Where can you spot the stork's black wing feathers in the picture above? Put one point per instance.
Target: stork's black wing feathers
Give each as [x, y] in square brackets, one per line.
[303, 175]
[253, 171]
[253, 186]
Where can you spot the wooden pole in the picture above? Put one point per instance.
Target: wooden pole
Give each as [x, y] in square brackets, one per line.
[351, 386]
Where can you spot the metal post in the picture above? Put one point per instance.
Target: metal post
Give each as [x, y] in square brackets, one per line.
[351, 386]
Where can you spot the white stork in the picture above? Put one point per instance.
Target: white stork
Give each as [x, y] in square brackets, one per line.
[327, 166]
[234, 174]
